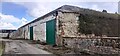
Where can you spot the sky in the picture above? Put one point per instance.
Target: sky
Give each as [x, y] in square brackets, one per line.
[16, 13]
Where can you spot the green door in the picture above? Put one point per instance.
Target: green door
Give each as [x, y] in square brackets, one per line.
[50, 32]
[31, 33]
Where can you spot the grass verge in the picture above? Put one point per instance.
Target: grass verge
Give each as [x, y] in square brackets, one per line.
[2, 46]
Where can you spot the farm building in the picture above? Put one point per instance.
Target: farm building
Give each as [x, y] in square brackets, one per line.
[5, 32]
[62, 25]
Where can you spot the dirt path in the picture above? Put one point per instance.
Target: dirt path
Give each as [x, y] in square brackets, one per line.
[20, 47]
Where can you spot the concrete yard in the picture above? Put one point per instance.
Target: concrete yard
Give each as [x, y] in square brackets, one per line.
[20, 47]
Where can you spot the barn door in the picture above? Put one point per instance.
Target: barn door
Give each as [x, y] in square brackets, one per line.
[50, 32]
[31, 33]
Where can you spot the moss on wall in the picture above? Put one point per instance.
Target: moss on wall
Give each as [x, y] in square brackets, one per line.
[98, 25]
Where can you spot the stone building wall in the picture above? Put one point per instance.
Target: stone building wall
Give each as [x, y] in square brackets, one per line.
[39, 30]
[87, 43]
[68, 24]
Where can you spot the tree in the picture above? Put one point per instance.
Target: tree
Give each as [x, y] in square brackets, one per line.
[104, 11]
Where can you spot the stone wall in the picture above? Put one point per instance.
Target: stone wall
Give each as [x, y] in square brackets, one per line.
[68, 24]
[86, 43]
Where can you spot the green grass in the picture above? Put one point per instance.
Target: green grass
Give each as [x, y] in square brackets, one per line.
[2, 46]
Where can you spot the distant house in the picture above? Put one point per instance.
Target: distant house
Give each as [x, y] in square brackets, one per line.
[5, 32]
[68, 21]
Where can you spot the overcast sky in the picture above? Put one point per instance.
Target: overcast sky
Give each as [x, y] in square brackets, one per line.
[16, 13]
